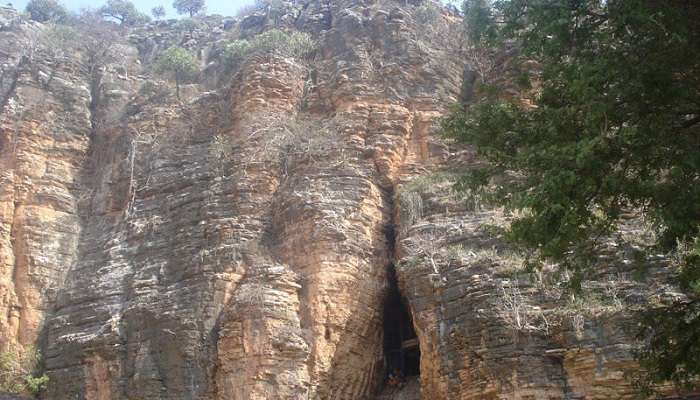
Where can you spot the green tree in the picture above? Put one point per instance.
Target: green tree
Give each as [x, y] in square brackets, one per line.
[610, 124]
[158, 12]
[17, 371]
[190, 7]
[179, 63]
[46, 10]
[123, 11]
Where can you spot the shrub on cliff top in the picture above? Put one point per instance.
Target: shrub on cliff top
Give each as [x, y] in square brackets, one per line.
[46, 10]
[294, 44]
[17, 372]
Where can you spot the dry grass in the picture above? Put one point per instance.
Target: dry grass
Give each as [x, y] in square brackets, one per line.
[413, 196]
[517, 313]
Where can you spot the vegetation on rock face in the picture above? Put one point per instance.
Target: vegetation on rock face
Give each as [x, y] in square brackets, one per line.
[427, 13]
[17, 372]
[235, 52]
[154, 93]
[190, 7]
[294, 44]
[186, 25]
[123, 11]
[413, 196]
[60, 40]
[179, 63]
[46, 10]
[672, 333]
[610, 123]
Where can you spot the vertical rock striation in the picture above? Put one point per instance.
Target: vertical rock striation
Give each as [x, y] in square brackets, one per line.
[44, 139]
[236, 244]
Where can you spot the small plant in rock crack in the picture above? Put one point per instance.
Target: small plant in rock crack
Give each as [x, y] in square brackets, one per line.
[427, 244]
[517, 313]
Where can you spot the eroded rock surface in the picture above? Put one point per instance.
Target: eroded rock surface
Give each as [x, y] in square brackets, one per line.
[236, 244]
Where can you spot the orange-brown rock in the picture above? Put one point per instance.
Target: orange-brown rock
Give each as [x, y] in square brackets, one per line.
[238, 243]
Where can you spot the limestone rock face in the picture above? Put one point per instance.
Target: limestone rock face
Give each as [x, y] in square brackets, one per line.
[236, 243]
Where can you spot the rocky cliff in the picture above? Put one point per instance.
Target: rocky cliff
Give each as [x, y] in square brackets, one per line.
[241, 242]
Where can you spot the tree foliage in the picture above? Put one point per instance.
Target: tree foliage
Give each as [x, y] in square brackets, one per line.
[610, 123]
[672, 333]
[123, 11]
[18, 371]
[190, 7]
[179, 63]
[158, 12]
[46, 10]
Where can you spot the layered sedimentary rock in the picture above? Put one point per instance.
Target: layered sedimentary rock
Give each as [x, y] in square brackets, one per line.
[490, 330]
[44, 139]
[236, 243]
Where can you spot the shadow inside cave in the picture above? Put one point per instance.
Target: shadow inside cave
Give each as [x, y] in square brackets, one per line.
[401, 349]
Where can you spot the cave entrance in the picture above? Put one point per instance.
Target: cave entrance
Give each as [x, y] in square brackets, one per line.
[401, 348]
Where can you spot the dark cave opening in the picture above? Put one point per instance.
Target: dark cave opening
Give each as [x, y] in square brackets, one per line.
[401, 349]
